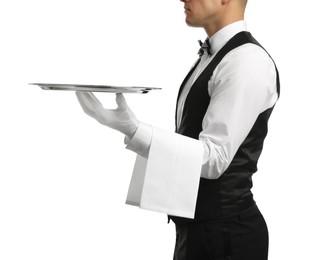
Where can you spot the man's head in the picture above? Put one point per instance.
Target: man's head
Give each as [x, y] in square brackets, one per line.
[213, 15]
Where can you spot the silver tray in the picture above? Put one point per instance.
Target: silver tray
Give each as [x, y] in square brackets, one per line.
[94, 88]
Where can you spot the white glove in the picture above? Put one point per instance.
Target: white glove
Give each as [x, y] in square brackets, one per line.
[121, 118]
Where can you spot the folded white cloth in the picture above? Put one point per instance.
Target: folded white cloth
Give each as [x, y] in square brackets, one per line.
[168, 180]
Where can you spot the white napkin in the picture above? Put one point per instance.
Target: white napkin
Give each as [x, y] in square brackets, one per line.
[168, 180]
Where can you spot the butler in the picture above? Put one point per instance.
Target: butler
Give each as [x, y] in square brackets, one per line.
[201, 176]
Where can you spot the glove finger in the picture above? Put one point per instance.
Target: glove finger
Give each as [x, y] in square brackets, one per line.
[90, 97]
[81, 99]
[121, 102]
[89, 102]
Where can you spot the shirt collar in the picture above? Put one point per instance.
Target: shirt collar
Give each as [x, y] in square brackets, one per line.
[221, 37]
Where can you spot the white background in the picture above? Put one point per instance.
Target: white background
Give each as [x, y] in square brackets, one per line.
[64, 177]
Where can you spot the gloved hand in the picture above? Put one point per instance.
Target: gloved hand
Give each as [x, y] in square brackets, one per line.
[121, 118]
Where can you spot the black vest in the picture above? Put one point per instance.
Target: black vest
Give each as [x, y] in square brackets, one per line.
[230, 193]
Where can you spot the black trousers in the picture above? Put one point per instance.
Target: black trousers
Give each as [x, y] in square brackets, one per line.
[242, 237]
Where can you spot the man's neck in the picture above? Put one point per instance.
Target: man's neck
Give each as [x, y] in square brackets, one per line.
[214, 27]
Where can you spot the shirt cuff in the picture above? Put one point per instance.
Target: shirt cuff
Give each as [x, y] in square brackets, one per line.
[141, 141]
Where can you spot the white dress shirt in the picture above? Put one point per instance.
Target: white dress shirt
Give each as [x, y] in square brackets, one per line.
[242, 86]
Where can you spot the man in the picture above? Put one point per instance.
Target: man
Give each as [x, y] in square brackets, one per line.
[224, 105]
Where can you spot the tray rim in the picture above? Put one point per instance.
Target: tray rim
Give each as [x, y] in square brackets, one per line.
[94, 88]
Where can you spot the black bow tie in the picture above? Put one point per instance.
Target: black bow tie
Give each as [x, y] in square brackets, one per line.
[204, 47]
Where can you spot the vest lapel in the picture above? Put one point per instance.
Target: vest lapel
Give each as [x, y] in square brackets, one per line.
[182, 87]
[187, 78]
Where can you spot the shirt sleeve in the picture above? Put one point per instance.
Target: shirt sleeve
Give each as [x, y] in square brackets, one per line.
[141, 141]
[242, 86]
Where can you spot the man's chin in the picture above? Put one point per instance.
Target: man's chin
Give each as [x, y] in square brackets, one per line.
[191, 23]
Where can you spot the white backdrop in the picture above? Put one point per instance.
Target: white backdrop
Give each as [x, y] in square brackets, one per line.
[64, 177]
